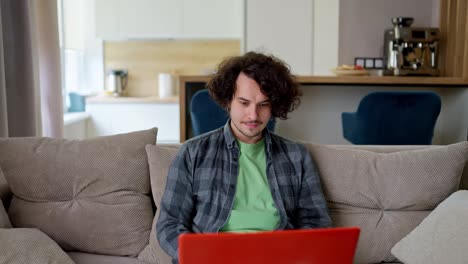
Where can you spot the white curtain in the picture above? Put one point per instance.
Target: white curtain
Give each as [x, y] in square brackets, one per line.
[30, 83]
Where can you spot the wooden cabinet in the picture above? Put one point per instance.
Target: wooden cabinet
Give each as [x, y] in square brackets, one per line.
[151, 19]
[115, 118]
[107, 16]
[163, 19]
[212, 19]
[138, 19]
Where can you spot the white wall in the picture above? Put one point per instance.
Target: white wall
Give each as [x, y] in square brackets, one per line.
[115, 118]
[283, 28]
[435, 13]
[326, 36]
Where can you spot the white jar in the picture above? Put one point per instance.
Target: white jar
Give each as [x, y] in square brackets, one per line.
[166, 85]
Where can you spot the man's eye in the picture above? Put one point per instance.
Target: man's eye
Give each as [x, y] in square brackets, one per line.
[265, 105]
[243, 103]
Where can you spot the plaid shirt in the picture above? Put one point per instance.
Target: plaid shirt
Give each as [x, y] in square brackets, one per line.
[201, 185]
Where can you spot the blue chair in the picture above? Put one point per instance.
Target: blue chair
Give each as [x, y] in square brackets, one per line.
[206, 115]
[393, 118]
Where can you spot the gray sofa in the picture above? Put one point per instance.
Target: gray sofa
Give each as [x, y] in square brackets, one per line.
[94, 200]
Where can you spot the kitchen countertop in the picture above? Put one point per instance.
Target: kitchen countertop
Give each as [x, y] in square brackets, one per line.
[384, 80]
[70, 118]
[130, 99]
[189, 84]
[360, 80]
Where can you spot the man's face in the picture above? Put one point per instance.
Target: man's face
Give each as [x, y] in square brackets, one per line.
[250, 110]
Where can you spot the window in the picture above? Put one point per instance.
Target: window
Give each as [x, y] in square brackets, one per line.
[81, 51]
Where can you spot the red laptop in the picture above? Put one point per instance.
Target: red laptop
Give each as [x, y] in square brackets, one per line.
[305, 246]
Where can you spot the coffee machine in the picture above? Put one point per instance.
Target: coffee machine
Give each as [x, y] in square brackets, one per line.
[116, 82]
[410, 51]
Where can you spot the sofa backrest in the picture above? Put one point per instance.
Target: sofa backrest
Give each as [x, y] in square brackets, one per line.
[391, 149]
[5, 193]
[377, 236]
[384, 210]
[386, 190]
[373, 148]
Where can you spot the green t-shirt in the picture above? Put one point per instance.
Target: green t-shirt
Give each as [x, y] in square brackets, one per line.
[254, 208]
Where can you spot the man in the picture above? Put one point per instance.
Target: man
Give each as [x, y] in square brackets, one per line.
[241, 177]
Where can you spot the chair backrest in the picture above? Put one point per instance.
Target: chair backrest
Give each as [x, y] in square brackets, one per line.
[207, 115]
[397, 118]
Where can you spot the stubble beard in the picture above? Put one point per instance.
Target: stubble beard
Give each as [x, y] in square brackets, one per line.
[244, 134]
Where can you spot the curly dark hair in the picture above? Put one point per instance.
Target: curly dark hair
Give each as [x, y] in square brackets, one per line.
[272, 75]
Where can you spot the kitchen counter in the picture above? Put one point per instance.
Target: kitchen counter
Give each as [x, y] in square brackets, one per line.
[384, 80]
[115, 115]
[360, 80]
[129, 100]
[318, 118]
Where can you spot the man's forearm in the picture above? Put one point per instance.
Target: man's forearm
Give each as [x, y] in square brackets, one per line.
[168, 236]
[176, 206]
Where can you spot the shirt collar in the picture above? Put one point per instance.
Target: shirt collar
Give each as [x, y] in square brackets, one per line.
[231, 140]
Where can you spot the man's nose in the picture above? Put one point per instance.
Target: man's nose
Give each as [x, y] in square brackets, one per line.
[252, 112]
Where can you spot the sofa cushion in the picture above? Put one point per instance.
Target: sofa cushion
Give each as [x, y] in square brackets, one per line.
[159, 159]
[87, 258]
[386, 194]
[4, 220]
[30, 245]
[5, 193]
[442, 237]
[89, 195]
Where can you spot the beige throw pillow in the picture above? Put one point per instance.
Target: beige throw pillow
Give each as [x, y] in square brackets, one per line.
[442, 237]
[159, 159]
[386, 194]
[29, 245]
[89, 195]
[4, 220]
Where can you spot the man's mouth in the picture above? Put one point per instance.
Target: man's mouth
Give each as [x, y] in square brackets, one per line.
[252, 124]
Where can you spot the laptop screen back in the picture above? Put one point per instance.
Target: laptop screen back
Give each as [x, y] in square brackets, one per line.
[306, 246]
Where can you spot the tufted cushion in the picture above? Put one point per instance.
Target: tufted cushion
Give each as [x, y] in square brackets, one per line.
[88, 195]
[28, 245]
[159, 159]
[386, 194]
